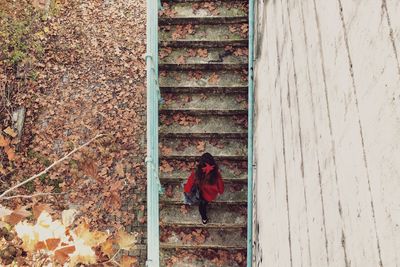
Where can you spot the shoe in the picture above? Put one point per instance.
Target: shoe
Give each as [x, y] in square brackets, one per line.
[204, 221]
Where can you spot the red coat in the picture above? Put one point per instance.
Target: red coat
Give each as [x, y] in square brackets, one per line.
[208, 191]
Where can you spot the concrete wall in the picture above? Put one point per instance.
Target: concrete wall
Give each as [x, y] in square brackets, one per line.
[327, 133]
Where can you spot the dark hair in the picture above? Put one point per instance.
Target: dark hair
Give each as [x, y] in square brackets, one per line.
[201, 176]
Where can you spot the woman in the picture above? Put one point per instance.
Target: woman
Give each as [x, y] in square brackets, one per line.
[207, 180]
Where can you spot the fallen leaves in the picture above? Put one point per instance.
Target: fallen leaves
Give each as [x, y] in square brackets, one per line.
[213, 79]
[125, 241]
[202, 52]
[8, 149]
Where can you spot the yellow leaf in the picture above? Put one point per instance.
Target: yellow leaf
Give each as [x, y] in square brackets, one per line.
[68, 216]
[107, 247]
[10, 132]
[27, 234]
[126, 241]
[83, 254]
[91, 239]
[128, 261]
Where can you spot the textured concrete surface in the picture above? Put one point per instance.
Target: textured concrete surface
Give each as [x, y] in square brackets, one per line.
[327, 133]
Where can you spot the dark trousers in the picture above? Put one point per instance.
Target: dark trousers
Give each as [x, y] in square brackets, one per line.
[203, 208]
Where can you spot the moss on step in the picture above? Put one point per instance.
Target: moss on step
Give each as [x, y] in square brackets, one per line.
[234, 194]
[219, 216]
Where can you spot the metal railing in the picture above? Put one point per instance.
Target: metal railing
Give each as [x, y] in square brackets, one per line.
[153, 96]
[250, 138]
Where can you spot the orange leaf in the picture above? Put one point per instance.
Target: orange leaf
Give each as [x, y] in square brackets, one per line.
[61, 255]
[128, 261]
[4, 142]
[10, 152]
[52, 243]
[37, 209]
[107, 247]
[17, 215]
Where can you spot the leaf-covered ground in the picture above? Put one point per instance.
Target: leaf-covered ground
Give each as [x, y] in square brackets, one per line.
[89, 79]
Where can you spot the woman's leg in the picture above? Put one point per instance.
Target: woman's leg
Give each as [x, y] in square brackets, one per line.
[203, 209]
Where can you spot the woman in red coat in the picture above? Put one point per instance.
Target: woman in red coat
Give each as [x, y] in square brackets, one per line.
[209, 182]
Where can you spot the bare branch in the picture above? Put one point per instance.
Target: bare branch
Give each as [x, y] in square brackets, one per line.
[50, 167]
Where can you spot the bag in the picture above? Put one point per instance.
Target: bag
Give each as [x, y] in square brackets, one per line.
[193, 197]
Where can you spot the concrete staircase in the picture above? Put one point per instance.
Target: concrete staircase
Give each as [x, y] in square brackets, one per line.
[203, 83]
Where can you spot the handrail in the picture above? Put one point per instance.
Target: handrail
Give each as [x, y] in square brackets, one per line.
[153, 183]
[250, 139]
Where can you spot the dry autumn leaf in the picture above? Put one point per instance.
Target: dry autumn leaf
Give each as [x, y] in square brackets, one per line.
[128, 261]
[201, 146]
[17, 215]
[214, 78]
[62, 255]
[4, 142]
[91, 239]
[180, 60]
[68, 216]
[108, 247]
[10, 132]
[125, 241]
[202, 52]
[4, 212]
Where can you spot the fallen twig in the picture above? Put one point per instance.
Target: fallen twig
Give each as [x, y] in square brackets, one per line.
[2, 196]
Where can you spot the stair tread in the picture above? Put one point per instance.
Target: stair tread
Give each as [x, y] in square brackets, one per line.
[203, 257]
[227, 78]
[181, 169]
[234, 193]
[243, 42]
[181, 123]
[205, 90]
[193, 147]
[202, 32]
[213, 55]
[172, 237]
[201, 10]
[219, 215]
[198, 102]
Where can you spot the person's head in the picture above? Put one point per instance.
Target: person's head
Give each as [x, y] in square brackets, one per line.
[207, 169]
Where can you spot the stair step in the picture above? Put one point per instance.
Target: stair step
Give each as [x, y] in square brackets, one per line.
[219, 216]
[204, 43]
[193, 148]
[195, 12]
[178, 170]
[204, 32]
[210, 57]
[234, 193]
[232, 78]
[202, 257]
[217, 125]
[174, 237]
[206, 90]
[233, 103]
